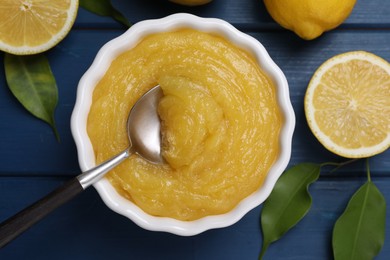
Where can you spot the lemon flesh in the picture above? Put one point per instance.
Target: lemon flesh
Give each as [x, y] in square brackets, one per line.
[309, 18]
[220, 124]
[34, 26]
[347, 104]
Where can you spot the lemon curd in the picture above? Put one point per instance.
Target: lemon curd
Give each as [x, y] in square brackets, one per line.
[220, 124]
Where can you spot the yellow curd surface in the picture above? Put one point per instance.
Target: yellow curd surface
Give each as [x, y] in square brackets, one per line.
[220, 119]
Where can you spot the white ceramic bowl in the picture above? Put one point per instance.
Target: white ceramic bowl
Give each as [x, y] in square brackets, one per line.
[126, 41]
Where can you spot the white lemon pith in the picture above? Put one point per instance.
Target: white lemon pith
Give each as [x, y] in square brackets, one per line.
[34, 26]
[347, 104]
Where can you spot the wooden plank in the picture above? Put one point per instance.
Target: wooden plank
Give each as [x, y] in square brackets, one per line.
[33, 163]
[36, 152]
[86, 229]
[244, 13]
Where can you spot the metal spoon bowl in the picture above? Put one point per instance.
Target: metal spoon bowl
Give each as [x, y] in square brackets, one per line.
[143, 128]
[143, 131]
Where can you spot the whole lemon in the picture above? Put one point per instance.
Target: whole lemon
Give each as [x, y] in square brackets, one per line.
[191, 2]
[309, 18]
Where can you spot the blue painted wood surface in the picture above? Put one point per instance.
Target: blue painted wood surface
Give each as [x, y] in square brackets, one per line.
[32, 162]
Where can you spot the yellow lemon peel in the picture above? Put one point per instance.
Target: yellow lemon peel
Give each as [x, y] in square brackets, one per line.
[309, 18]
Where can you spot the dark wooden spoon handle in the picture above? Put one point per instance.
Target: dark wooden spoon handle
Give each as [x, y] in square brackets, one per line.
[17, 224]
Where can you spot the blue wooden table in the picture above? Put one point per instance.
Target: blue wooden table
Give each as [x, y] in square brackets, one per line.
[32, 162]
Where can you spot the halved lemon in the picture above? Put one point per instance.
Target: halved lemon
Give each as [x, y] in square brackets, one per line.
[34, 26]
[347, 104]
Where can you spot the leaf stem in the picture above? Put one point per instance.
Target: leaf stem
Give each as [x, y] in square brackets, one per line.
[368, 170]
[263, 250]
[337, 165]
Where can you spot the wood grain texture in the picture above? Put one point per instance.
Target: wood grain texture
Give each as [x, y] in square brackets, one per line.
[18, 223]
[86, 229]
[245, 14]
[33, 163]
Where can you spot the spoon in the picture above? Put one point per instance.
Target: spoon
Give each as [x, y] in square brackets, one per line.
[143, 130]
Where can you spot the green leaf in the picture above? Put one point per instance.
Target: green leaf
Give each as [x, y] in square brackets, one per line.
[31, 81]
[359, 233]
[288, 203]
[104, 8]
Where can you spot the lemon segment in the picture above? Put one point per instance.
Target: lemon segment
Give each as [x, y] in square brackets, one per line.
[347, 104]
[34, 26]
